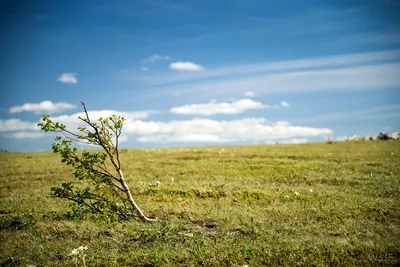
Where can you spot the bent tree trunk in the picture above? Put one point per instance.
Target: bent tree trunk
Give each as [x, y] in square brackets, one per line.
[114, 158]
[109, 186]
[135, 207]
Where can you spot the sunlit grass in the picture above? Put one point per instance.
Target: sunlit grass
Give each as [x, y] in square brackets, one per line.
[310, 204]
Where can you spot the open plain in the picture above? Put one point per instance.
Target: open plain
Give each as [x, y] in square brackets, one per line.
[262, 205]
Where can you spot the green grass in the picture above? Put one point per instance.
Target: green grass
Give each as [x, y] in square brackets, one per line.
[245, 205]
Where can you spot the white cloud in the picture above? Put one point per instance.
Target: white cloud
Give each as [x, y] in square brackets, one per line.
[249, 94]
[26, 135]
[207, 130]
[214, 107]
[16, 125]
[283, 123]
[23, 128]
[44, 106]
[298, 140]
[196, 130]
[123, 138]
[185, 66]
[72, 121]
[196, 138]
[285, 104]
[155, 57]
[144, 68]
[68, 78]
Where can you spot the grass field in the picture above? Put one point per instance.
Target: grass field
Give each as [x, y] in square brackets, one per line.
[271, 205]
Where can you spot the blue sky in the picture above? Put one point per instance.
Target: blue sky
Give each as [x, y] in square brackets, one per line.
[201, 72]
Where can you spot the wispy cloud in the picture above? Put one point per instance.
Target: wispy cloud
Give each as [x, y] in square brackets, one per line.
[42, 16]
[347, 78]
[249, 94]
[382, 37]
[312, 21]
[285, 104]
[148, 8]
[156, 57]
[42, 107]
[309, 22]
[318, 63]
[358, 71]
[171, 6]
[371, 113]
[69, 78]
[185, 66]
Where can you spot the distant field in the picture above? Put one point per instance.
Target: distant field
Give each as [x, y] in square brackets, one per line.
[272, 205]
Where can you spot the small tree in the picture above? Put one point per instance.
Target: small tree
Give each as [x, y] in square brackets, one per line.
[105, 191]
